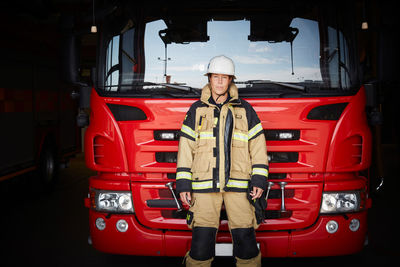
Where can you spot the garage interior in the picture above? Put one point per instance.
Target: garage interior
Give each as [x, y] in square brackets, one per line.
[51, 227]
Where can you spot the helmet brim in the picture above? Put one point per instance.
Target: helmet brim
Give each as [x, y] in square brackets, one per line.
[233, 76]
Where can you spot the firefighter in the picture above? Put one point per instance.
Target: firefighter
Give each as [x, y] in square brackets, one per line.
[222, 160]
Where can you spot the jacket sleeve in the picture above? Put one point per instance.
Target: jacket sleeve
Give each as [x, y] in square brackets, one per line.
[258, 151]
[187, 142]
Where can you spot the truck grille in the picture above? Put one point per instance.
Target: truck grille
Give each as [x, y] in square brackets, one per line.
[273, 157]
[166, 201]
[301, 202]
[271, 214]
[270, 135]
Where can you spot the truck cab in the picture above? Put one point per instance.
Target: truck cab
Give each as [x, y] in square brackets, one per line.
[296, 64]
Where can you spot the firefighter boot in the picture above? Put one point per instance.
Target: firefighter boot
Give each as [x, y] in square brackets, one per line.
[253, 262]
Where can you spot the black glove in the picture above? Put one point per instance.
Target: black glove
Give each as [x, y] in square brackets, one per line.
[260, 205]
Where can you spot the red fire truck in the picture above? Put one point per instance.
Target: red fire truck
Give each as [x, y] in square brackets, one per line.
[296, 63]
[37, 114]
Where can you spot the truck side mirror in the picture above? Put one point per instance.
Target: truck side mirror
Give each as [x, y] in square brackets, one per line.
[69, 53]
[374, 115]
[70, 59]
[371, 94]
[83, 95]
[70, 65]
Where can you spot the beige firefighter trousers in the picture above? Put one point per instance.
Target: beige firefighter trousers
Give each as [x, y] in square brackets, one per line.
[206, 208]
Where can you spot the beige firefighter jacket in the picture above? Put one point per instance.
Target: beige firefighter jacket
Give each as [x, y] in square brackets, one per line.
[221, 148]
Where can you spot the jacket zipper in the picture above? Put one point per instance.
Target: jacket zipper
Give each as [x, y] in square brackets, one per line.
[218, 126]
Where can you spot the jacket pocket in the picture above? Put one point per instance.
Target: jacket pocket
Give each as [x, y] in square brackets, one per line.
[240, 156]
[201, 159]
[204, 129]
[204, 146]
[239, 138]
[205, 139]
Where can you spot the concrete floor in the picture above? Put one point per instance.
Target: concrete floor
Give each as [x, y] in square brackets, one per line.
[51, 229]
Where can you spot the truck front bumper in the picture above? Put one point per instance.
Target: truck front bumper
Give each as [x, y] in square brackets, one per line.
[314, 241]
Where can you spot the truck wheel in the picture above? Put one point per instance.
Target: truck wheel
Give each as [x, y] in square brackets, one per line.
[48, 167]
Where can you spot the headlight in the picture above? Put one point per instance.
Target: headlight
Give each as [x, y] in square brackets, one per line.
[113, 201]
[340, 202]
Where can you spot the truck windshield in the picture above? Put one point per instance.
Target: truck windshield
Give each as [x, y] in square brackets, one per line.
[311, 52]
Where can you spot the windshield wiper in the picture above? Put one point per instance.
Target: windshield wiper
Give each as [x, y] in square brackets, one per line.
[181, 87]
[141, 87]
[288, 85]
[171, 85]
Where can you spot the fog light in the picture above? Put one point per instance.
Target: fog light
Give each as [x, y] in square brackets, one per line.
[354, 225]
[332, 227]
[122, 226]
[100, 224]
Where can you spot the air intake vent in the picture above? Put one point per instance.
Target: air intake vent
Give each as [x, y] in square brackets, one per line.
[327, 112]
[98, 149]
[171, 175]
[283, 157]
[277, 176]
[166, 157]
[126, 113]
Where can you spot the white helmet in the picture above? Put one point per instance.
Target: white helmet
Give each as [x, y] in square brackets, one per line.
[221, 65]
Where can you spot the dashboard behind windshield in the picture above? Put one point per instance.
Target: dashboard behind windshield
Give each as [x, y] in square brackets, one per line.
[313, 50]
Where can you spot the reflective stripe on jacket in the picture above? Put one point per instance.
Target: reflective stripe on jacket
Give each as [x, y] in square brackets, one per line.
[221, 149]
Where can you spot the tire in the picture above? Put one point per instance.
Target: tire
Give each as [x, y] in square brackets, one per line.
[48, 168]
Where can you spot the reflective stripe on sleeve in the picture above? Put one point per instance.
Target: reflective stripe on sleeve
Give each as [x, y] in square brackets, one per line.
[184, 175]
[255, 130]
[187, 130]
[260, 171]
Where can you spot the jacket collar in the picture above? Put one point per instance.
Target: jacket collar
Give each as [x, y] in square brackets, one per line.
[206, 94]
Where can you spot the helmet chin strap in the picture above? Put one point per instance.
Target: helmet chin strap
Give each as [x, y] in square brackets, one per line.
[219, 95]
